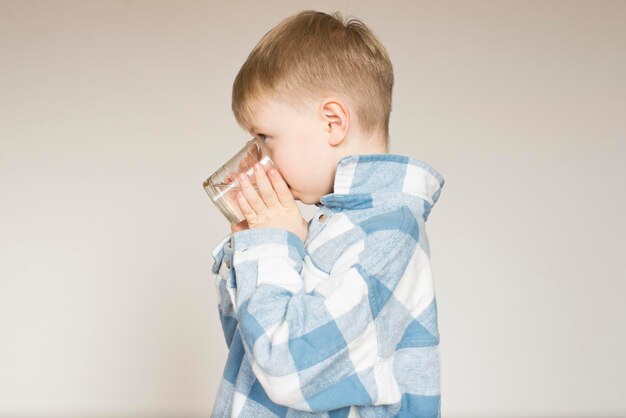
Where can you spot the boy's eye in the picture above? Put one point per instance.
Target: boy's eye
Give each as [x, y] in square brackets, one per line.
[263, 138]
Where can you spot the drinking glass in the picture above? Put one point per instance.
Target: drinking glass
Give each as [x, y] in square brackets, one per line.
[222, 186]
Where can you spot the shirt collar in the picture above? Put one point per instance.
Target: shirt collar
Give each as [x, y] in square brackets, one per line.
[360, 180]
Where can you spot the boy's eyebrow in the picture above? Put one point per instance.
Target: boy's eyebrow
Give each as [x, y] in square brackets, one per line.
[254, 129]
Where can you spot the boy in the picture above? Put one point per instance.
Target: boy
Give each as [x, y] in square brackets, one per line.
[335, 317]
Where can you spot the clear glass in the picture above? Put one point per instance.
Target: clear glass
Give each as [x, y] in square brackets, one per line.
[223, 185]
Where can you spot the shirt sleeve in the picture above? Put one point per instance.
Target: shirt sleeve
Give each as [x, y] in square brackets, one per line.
[307, 347]
[225, 287]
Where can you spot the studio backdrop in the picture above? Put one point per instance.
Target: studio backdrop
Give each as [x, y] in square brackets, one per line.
[113, 113]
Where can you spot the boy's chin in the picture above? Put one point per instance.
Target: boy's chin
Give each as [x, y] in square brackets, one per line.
[305, 200]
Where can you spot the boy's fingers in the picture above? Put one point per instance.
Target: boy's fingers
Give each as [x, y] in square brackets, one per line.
[282, 190]
[246, 209]
[254, 201]
[265, 187]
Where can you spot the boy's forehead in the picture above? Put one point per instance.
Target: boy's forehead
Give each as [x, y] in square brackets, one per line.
[260, 113]
[266, 112]
[256, 109]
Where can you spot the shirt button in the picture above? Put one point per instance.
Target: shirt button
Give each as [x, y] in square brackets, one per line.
[227, 264]
[322, 217]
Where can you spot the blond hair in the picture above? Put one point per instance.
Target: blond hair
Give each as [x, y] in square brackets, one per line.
[311, 54]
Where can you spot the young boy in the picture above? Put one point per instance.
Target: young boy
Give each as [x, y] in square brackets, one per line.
[335, 317]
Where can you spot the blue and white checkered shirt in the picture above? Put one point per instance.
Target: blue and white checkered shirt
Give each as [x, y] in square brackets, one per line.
[344, 325]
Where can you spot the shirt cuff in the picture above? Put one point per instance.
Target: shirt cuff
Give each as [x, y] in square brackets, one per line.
[257, 242]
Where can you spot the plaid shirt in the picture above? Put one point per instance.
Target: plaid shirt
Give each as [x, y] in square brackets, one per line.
[344, 324]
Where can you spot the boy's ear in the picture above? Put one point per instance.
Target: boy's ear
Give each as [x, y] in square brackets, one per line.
[336, 116]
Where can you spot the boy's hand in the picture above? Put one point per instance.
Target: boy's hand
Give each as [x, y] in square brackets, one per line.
[239, 227]
[275, 207]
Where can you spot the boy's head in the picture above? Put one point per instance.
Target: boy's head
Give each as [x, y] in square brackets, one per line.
[318, 89]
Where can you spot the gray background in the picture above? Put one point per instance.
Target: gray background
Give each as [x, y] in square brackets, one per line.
[112, 113]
